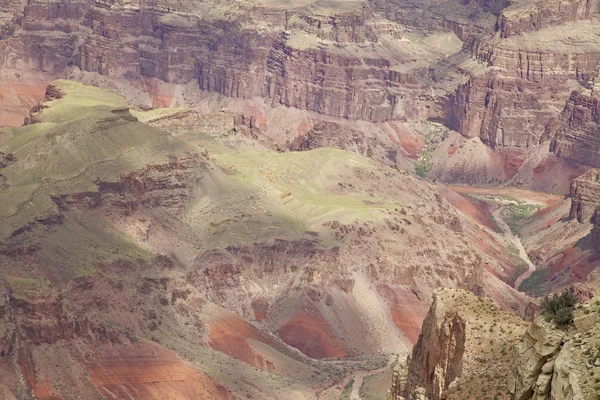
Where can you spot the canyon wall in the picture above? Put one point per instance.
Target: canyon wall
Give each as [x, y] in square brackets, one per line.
[523, 16]
[345, 65]
[585, 203]
[375, 61]
[585, 196]
[576, 131]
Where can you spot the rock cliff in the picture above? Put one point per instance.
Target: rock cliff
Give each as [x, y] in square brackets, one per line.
[585, 203]
[537, 360]
[484, 68]
[522, 16]
[460, 334]
[576, 131]
[339, 61]
[585, 196]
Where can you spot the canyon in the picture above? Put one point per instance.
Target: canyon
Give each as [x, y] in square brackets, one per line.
[309, 200]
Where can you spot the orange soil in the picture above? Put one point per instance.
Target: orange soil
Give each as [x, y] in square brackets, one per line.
[556, 173]
[312, 336]
[260, 118]
[16, 99]
[229, 335]
[407, 310]
[42, 388]
[544, 167]
[148, 371]
[477, 210]
[407, 140]
[452, 150]
[304, 126]
[578, 263]
[511, 161]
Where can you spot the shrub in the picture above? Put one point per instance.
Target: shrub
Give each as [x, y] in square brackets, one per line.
[53, 93]
[559, 308]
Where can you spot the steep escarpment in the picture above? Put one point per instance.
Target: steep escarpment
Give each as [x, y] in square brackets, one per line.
[522, 16]
[336, 60]
[585, 197]
[529, 79]
[460, 335]
[504, 111]
[439, 353]
[532, 68]
[575, 131]
[536, 360]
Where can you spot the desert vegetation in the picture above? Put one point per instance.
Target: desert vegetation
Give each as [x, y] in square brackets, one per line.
[559, 308]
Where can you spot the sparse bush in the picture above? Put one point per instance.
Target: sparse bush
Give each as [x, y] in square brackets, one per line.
[559, 308]
[53, 93]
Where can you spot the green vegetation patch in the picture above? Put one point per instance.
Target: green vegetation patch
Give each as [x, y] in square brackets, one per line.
[518, 215]
[305, 177]
[559, 308]
[347, 392]
[534, 285]
[512, 249]
[424, 162]
[26, 287]
[76, 246]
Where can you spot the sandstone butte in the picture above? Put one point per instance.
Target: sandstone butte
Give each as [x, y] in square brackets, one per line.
[320, 199]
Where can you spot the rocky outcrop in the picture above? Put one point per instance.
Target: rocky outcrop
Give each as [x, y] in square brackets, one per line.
[585, 196]
[399, 377]
[165, 186]
[331, 134]
[544, 65]
[539, 360]
[537, 352]
[5, 160]
[461, 334]
[438, 355]
[577, 130]
[596, 230]
[504, 111]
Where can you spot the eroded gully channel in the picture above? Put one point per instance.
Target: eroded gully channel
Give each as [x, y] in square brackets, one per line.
[516, 241]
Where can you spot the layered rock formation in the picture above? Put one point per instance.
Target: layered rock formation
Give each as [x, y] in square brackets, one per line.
[337, 61]
[585, 197]
[523, 16]
[484, 68]
[576, 131]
